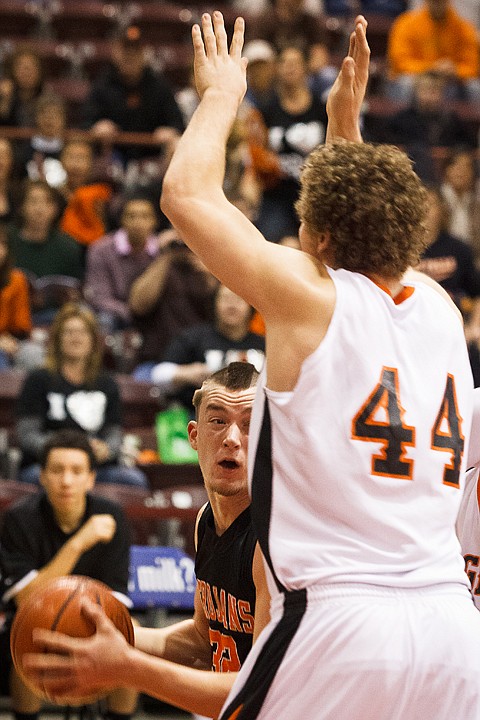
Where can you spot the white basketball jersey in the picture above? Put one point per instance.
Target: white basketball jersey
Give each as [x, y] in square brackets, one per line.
[356, 474]
[468, 531]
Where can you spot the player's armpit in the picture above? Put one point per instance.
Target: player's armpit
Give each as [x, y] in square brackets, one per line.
[262, 600]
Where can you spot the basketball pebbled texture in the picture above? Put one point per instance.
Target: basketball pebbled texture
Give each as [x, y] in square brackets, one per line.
[57, 606]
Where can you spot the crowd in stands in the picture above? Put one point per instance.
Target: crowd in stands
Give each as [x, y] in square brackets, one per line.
[83, 242]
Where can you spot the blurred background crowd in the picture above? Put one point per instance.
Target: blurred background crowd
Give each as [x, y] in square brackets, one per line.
[95, 285]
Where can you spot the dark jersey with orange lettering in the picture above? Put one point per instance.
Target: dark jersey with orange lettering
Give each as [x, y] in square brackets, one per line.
[223, 568]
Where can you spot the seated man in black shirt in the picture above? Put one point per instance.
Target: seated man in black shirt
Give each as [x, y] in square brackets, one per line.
[205, 348]
[62, 531]
[129, 96]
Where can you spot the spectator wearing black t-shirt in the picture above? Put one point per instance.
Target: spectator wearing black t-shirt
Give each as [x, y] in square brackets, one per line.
[286, 130]
[451, 263]
[202, 349]
[130, 96]
[72, 391]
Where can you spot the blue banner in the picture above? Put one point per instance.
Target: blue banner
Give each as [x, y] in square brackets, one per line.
[161, 577]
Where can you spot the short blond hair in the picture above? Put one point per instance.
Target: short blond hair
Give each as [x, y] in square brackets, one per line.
[235, 376]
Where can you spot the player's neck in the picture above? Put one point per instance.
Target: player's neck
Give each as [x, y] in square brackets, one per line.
[227, 509]
[392, 285]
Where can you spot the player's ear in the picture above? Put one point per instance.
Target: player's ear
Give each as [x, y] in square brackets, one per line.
[323, 241]
[192, 433]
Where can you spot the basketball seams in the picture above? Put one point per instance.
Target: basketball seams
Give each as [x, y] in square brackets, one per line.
[62, 609]
[60, 599]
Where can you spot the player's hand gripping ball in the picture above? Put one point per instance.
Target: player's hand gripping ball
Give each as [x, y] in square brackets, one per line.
[57, 606]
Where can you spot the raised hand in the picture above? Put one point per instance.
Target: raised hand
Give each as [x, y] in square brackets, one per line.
[348, 92]
[98, 529]
[216, 67]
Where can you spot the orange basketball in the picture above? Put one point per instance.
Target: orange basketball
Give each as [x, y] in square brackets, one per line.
[56, 606]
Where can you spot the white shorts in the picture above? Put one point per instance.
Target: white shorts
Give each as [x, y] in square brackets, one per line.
[354, 652]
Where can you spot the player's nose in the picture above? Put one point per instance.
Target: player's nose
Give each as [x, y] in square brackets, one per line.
[233, 436]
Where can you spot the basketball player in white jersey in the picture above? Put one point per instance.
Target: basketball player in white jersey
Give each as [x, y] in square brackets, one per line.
[360, 425]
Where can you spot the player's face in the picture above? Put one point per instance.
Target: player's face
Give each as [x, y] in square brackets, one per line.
[67, 478]
[220, 436]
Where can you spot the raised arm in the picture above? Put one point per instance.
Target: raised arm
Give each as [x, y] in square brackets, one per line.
[193, 199]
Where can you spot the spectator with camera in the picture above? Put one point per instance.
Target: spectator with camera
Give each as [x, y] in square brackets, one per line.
[175, 292]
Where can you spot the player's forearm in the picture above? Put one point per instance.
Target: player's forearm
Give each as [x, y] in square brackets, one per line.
[343, 131]
[198, 165]
[202, 692]
[179, 643]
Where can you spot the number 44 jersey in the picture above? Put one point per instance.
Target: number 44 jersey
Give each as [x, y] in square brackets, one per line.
[357, 474]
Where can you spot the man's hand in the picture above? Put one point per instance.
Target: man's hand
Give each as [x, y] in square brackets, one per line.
[348, 92]
[100, 450]
[192, 374]
[445, 67]
[105, 129]
[73, 667]
[215, 67]
[8, 344]
[97, 529]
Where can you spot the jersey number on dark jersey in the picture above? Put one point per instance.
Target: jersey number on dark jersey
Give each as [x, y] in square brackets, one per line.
[224, 652]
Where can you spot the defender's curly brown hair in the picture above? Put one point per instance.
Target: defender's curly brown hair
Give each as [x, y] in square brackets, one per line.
[370, 201]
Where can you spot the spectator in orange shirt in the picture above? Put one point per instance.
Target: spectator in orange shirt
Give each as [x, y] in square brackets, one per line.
[86, 198]
[434, 37]
[15, 318]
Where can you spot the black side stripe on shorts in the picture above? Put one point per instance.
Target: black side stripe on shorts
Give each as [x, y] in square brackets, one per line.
[262, 480]
[249, 700]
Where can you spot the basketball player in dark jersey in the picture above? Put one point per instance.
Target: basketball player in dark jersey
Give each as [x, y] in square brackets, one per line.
[231, 604]
[225, 561]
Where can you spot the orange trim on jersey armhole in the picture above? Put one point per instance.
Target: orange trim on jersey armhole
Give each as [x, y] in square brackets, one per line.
[404, 294]
[236, 713]
[478, 492]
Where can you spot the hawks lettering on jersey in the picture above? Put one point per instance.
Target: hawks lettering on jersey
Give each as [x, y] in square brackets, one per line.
[235, 615]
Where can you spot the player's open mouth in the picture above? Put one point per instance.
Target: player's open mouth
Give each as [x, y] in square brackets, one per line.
[229, 464]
